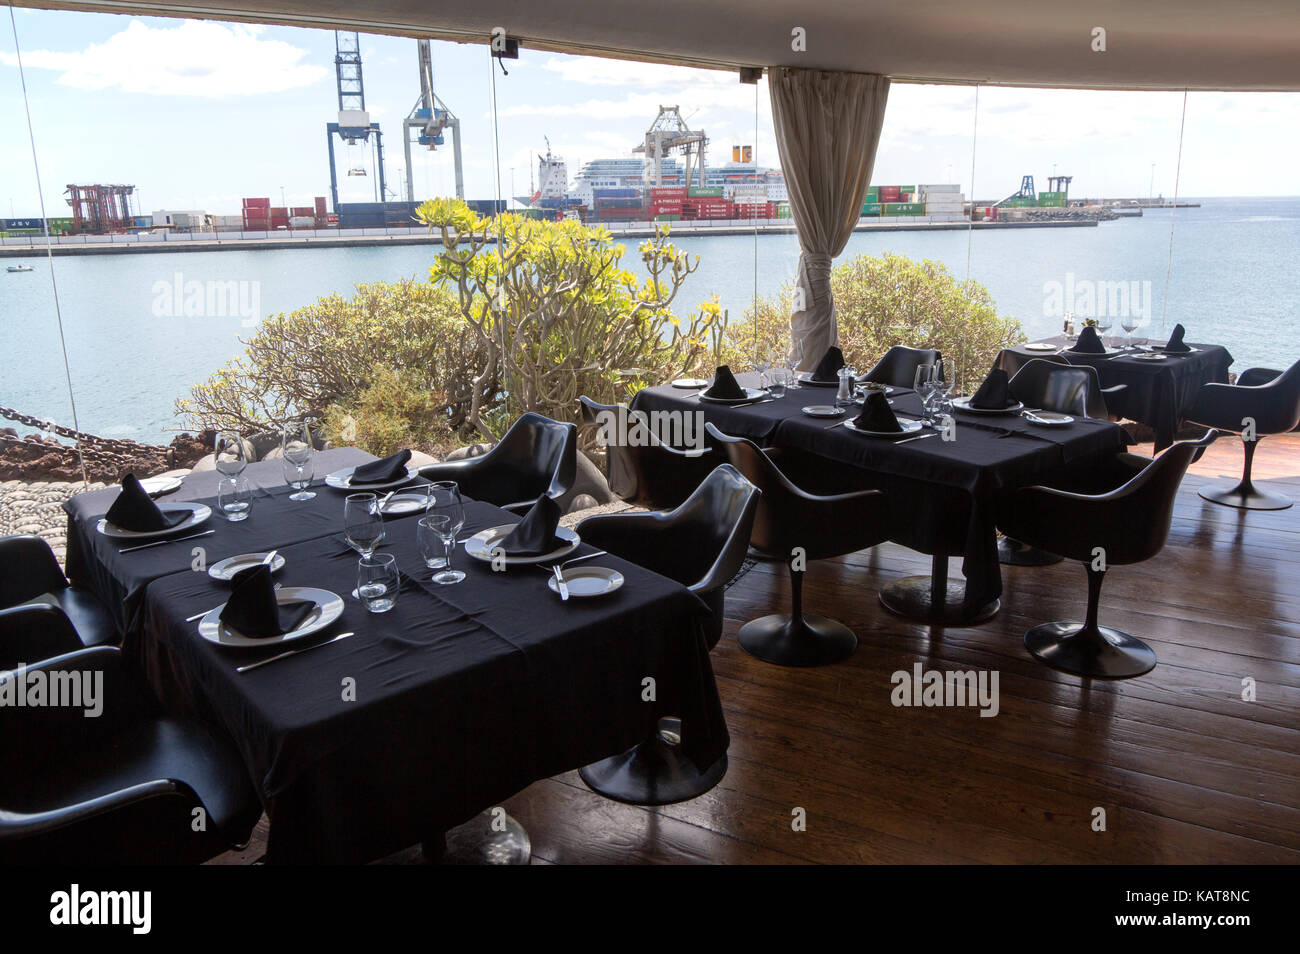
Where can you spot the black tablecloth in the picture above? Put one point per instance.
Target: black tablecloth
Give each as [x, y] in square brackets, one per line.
[93, 559]
[1157, 392]
[464, 694]
[944, 494]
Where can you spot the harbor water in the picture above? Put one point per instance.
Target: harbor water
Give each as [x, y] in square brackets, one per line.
[133, 349]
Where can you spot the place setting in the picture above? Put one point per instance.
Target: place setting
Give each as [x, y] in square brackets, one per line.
[725, 389]
[135, 516]
[385, 474]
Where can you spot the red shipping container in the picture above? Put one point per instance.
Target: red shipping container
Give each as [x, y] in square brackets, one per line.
[320, 205]
[280, 210]
[257, 203]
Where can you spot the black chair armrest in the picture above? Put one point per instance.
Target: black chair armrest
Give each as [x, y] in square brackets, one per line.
[1114, 389]
[27, 569]
[1254, 377]
[29, 731]
[35, 632]
[17, 825]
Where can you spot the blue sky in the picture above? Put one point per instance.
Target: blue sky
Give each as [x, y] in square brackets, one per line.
[199, 114]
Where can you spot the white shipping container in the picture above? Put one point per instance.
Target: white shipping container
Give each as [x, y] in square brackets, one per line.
[302, 222]
[942, 187]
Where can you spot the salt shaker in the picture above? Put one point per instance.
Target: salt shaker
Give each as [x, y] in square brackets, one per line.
[844, 394]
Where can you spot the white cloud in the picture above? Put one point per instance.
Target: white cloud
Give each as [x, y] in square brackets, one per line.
[196, 58]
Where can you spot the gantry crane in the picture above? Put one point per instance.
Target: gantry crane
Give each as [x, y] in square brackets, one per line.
[428, 119]
[354, 123]
[669, 133]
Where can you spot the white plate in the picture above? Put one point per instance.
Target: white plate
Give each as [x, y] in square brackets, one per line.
[481, 545]
[1047, 418]
[227, 568]
[888, 389]
[1148, 356]
[400, 504]
[691, 383]
[822, 410]
[157, 486]
[1162, 350]
[1040, 346]
[963, 404]
[908, 427]
[1108, 353]
[585, 581]
[862, 401]
[198, 514]
[329, 607]
[806, 377]
[751, 394]
[339, 480]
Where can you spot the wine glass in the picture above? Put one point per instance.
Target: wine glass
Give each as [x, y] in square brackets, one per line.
[762, 362]
[793, 358]
[297, 451]
[923, 384]
[231, 458]
[444, 500]
[1130, 323]
[362, 523]
[1103, 326]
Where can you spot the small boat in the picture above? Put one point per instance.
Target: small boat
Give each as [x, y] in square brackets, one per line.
[18, 268]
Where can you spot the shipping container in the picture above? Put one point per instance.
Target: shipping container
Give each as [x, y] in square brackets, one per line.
[702, 193]
[257, 203]
[904, 208]
[321, 208]
[871, 208]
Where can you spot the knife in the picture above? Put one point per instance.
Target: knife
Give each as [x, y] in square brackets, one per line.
[560, 584]
[292, 652]
[918, 437]
[158, 543]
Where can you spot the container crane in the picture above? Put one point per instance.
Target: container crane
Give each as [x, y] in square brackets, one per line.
[354, 123]
[428, 119]
[667, 134]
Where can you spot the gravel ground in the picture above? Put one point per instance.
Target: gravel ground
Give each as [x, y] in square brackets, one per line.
[37, 507]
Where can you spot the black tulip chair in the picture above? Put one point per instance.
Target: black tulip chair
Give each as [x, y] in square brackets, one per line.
[645, 471]
[821, 526]
[120, 788]
[536, 456]
[1269, 398]
[898, 367]
[1098, 397]
[1125, 524]
[29, 571]
[1051, 384]
[32, 632]
[701, 544]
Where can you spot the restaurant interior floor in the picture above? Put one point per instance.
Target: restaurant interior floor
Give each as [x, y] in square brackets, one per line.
[1186, 771]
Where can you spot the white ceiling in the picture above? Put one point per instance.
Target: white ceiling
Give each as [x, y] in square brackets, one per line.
[1151, 44]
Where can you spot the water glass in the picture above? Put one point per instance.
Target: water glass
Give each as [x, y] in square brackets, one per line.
[235, 499]
[362, 523]
[431, 535]
[231, 458]
[378, 582]
[296, 450]
[780, 377]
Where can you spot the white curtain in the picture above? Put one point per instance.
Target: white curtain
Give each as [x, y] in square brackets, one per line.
[827, 130]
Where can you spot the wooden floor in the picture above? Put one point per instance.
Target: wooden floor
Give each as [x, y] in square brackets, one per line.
[1184, 769]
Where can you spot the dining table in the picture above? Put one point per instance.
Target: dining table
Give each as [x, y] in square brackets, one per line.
[1156, 393]
[945, 489]
[453, 700]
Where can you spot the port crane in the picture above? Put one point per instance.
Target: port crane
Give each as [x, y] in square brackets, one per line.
[354, 123]
[667, 134]
[1054, 184]
[428, 119]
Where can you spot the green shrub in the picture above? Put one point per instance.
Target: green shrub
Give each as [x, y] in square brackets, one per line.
[395, 410]
[326, 353]
[888, 300]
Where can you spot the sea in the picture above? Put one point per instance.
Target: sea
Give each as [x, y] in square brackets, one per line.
[1233, 279]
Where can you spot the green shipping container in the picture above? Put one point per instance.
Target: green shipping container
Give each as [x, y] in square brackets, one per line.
[910, 188]
[706, 192]
[873, 194]
[904, 208]
[871, 208]
[668, 218]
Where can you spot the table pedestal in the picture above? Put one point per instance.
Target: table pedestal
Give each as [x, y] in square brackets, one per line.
[479, 842]
[935, 599]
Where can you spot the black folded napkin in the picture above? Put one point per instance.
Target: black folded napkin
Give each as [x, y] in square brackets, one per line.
[994, 394]
[535, 534]
[134, 509]
[1176, 343]
[877, 415]
[1089, 342]
[381, 471]
[253, 610]
[828, 367]
[725, 385]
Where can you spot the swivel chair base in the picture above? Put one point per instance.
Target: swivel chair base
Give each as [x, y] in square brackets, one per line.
[1016, 553]
[803, 641]
[1090, 650]
[1245, 496]
[656, 772]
